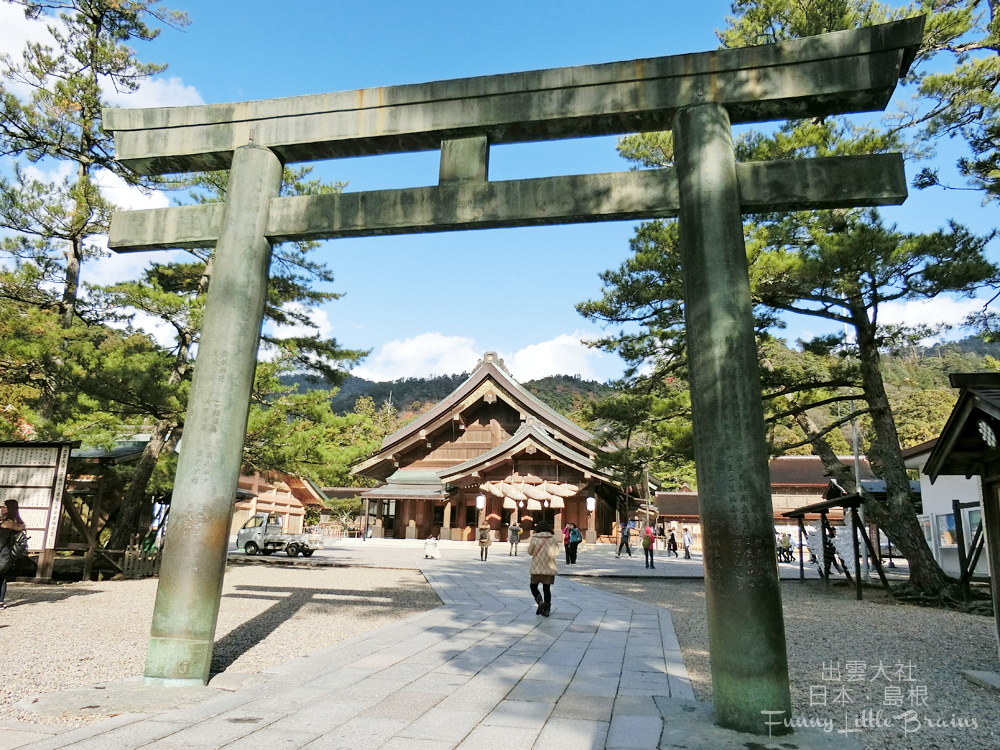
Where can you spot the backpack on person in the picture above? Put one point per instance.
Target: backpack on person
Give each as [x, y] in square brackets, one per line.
[575, 535]
[647, 541]
[19, 546]
[484, 535]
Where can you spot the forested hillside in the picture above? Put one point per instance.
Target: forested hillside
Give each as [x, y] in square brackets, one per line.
[565, 393]
[917, 378]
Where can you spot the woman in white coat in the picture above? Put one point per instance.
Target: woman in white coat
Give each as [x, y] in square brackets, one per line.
[544, 549]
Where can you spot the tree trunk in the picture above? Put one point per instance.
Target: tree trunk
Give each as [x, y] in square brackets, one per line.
[75, 253]
[896, 515]
[165, 437]
[820, 447]
[135, 495]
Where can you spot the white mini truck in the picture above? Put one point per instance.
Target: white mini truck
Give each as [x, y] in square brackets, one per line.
[262, 533]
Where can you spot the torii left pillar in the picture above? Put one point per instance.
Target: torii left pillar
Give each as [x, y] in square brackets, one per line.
[190, 587]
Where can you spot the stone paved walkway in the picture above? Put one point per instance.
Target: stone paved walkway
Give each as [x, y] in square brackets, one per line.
[594, 560]
[482, 671]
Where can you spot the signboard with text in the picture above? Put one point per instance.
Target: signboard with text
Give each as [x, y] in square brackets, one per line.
[34, 474]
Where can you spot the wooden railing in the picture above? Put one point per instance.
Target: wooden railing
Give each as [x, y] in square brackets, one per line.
[139, 563]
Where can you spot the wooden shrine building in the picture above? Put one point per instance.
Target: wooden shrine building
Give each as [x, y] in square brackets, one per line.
[489, 439]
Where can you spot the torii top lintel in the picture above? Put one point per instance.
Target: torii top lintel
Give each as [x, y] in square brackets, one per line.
[845, 71]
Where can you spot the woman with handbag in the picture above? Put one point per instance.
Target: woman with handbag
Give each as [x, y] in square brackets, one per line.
[544, 549]
[10, 526]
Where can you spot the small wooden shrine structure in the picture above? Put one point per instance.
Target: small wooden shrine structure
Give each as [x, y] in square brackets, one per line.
[969, 445]
[490, 440]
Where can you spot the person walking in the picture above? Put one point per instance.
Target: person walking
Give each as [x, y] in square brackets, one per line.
[513, 536]
[484, 540]
[648, 545]
[544, 549]
[10, 526]
[431, 548]
[688, 542]
[575, 537]
[624, 540]
[786, 547]
[672, 544]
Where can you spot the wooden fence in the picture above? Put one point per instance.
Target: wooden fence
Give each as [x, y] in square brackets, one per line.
[141, 564]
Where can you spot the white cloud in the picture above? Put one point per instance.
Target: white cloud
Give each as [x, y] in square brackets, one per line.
[163, 333]
[61, 170]
[113, 268]
[319, 318]
[16, 31]
[420, 356]
[154, 92]
[564, 355]
[129, 197]
[928, 312]
[436, 354]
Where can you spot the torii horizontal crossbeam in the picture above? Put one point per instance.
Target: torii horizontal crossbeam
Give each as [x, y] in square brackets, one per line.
[846, 71]
[836, 182]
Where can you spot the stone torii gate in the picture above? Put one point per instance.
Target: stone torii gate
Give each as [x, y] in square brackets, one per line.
[698, 96]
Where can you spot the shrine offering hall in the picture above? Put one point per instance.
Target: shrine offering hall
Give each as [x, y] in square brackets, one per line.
[490, 439]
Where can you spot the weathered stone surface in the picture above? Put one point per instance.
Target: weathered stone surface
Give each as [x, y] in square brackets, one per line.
[742, 596]
[838, 182]
[846, 71]
[190, 586]
[465, 159]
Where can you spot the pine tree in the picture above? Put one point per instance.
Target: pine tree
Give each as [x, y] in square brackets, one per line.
[59, 121]
[837, 265]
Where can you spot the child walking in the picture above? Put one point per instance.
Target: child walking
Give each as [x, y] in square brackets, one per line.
[544, 549]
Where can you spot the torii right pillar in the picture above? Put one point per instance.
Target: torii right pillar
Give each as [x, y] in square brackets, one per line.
[745, 624]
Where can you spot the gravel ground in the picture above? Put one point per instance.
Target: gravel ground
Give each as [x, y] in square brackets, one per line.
[827, 628]
[79, 634]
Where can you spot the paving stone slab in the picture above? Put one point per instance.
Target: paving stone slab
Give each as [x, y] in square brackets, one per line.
[272, 739]
[67, 739]
[409, 743]
[437, 682]
[443, 724]
[405, 705]
[533, 691]
[494, 737]
[987, 680]
[513, 713]
[604, 688]
[634, 732]
[635, 705]
[360, 733]
[572, 734]
[322, 717]
[14, 738]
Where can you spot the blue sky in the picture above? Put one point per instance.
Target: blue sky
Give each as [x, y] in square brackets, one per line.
[433, 303]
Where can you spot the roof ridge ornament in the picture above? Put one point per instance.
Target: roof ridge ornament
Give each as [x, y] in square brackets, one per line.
[494, 359]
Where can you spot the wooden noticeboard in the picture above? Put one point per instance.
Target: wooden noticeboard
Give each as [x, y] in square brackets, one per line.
[34, 474]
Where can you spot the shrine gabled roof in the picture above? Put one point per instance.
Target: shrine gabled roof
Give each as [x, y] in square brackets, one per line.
[490, 367]
[808, 471]
[527, 434]
[404, 491]
[961, 448]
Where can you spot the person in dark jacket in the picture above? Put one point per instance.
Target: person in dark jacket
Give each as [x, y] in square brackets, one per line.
[624, 542]
[575, 537]
[10, 526]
